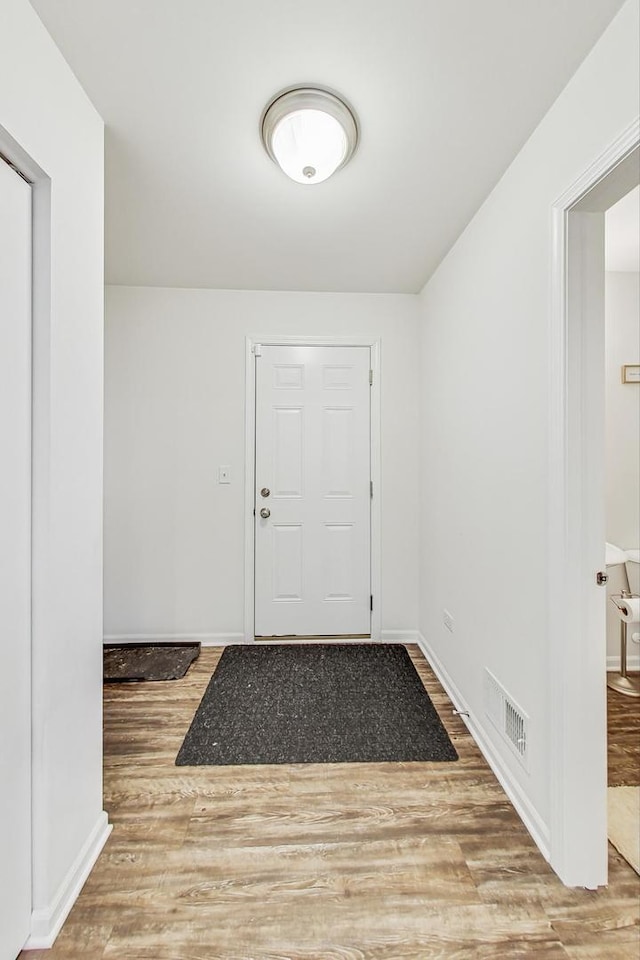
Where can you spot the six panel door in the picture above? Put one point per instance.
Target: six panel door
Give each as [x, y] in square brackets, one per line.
[312, 504]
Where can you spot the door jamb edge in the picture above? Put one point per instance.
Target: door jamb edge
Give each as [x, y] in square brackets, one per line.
[24, 164]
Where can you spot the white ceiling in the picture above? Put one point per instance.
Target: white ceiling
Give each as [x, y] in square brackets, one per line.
[446, 91]
[622, 234]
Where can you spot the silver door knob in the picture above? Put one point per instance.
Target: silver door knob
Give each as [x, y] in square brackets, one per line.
[265, 512]
[265, 492]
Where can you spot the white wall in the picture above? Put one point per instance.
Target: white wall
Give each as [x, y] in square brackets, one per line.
[45, 116]
[485, 321]
[622, 344]
[174, 388]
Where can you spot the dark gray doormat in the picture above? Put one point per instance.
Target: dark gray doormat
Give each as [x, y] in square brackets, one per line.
[124, 663]
[315, 703]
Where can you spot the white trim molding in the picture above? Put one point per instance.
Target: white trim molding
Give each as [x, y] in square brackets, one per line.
[224, 639]
[633, 663]
[206, 639]
[46, 923]
[524, 808]
[577, 652]
[400, 636]
[375, 345]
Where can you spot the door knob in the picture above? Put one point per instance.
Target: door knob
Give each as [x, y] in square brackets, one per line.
[265, 492]
[265, 512]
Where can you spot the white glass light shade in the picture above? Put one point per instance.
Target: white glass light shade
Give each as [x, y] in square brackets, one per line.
[309, 133]
[309, 145]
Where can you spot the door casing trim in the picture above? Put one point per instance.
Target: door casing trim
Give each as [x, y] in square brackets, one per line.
[577, 704]
[375, 345]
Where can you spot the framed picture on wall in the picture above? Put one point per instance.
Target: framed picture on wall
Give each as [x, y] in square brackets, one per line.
[631, 373]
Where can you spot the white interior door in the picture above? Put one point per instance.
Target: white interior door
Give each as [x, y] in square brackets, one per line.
[15, 562]
[312, 548]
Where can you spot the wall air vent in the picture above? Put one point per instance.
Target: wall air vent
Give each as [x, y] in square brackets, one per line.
[508, 718]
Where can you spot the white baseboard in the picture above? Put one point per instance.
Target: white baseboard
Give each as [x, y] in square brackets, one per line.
[206, 639]
[222, 639]
[46, 923]
[633, 662]
[399, 636]
[524, 808]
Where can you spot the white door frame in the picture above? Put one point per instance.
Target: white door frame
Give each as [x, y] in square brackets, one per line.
[40, 366]
[577, 679]
[249, 460]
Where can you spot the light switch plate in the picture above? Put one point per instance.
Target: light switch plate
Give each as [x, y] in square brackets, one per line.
[224, 474]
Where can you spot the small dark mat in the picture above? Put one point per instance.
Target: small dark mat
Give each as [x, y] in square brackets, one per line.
[125, 663]
[315, 703]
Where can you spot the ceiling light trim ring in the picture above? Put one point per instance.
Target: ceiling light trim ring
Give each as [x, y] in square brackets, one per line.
[302, 98]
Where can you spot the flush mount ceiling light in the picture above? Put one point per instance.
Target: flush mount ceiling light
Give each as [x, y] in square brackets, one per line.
[309, 132]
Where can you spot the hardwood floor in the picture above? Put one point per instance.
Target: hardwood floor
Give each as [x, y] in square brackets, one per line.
[412, 861]
[623, 728]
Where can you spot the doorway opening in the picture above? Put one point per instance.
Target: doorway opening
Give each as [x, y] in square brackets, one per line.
[577, 528]
[622, 517]
[342, 376]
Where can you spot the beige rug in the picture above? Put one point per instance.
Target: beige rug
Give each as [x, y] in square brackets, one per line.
[624, 822]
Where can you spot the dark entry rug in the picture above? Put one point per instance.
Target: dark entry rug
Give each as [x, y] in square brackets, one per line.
[316, 703]
[128, 662]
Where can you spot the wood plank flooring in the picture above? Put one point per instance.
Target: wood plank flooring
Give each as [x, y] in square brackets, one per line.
[623, 726]
[414, 861]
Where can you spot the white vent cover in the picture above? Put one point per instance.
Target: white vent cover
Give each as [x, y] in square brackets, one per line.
[508, 718]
